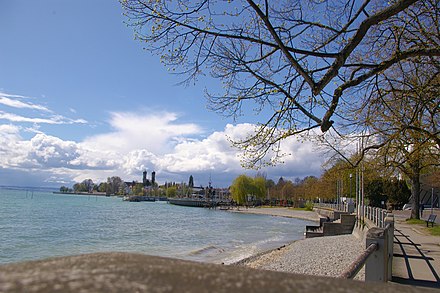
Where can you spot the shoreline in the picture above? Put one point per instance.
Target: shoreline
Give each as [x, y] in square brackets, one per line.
[82, 193]
[323, 256]
[280, 212]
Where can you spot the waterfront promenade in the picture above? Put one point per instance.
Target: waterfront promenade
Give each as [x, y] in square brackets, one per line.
[416, 253]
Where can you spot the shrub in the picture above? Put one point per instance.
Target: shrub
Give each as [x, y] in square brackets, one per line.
[308, 206]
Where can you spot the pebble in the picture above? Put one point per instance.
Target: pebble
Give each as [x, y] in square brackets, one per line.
[323, 256]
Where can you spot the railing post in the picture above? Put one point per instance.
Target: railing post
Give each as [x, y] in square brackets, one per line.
[376, 212]
[377, 264]
[389, 225]
[378, 217]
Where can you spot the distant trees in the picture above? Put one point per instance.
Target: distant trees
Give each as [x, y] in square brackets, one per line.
[102, 187]
[241, 187]
[89, 185]
[64, 189]
[308, 188]
[245, 188]
[115, 185]
[138, 189]
[398, 193]
[381, 192]
[289, 191]
[259, 184]
[171, 191]
[191, 182]
[85, 186]
[375, 193]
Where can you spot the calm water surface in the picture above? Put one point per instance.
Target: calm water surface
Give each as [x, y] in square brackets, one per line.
[35, 225]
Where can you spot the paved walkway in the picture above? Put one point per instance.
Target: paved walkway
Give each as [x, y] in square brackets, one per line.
[416, 254]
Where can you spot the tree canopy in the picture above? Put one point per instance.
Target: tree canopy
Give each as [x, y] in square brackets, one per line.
[304, 64]
[244, 187]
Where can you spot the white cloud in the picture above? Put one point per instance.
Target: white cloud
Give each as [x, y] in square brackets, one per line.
[52, 152]
[40, 115]
[213, 153]
[13, 101]
[56, 119]
[156, 133]
[13, 149]
[147, 142]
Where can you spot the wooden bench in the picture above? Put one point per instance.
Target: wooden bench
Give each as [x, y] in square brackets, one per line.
[431, 220]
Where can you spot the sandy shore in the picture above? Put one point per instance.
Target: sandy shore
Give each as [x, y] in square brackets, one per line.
[324, 256]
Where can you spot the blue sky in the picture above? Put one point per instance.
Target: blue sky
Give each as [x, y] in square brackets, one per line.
[80, 98]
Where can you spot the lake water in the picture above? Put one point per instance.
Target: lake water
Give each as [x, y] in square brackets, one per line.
[35, 225]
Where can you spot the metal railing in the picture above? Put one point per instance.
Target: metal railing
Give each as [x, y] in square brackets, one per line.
[332, 206]
[375, 215]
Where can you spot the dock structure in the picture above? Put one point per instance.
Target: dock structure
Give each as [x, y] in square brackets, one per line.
[195, 202]
[188, 202]
[138, 198]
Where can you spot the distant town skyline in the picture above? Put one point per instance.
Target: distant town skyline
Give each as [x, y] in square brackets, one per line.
[80, 99]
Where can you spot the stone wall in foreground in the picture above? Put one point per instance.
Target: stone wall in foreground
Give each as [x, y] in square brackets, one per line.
[126, 272]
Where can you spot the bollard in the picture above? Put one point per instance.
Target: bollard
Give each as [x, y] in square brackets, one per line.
[376, 266]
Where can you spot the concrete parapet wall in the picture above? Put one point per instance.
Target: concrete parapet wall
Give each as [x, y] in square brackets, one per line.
[125, 272]
[348, 220]
[312, 234]
[332, 229]
[360, 232]
[344, 227]
[337, 214]
[324, 212]
[332, 214]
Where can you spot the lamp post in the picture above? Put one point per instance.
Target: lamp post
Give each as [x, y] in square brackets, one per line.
[351, 176]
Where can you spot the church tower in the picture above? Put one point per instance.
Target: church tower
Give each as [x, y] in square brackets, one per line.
[144, 178]
[153, 178]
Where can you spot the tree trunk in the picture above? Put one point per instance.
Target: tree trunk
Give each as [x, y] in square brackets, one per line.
[415, 189]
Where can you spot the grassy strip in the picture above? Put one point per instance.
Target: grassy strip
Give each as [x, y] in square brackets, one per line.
[435, 231]
[415, 222]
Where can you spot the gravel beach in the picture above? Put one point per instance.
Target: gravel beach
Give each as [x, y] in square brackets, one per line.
[281, 212]
[323, 256]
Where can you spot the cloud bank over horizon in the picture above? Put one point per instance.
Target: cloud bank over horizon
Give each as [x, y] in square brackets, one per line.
[135, 141]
